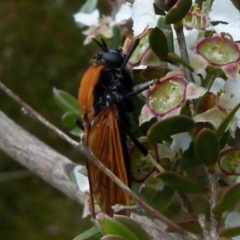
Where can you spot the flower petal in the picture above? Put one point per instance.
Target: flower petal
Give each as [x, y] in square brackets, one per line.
[224, 11]
[213, 116]
[87, 19]
[232, 28]
[143, 16]
[82, 180]
[231, 97]
[146, 114]
[124, 13]
[180, 141]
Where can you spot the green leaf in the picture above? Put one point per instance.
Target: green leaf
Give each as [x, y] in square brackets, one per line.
[65, 101]
[89, 234]
[224, 125]
[156, 194]
[150, 188]
[111, 226]
[162, 199]
[158, 43]
[180, 183]
[169, 126]
[229, 232]
[225, 139]
[178, 11]
[227, 201]
[207, 147]
[133, 226]
[167, 29]
[69, 119]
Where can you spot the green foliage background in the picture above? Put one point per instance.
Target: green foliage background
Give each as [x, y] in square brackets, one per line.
[40, 48]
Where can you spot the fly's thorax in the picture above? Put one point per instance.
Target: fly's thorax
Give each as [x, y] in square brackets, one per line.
[113, 87]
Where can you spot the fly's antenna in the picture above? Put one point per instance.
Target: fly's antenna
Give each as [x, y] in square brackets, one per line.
[130, 52]
[102, 45]
[105, 48]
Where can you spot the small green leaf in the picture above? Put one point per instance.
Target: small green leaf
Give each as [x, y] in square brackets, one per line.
[207, 147]
[167, 29]
[228, 201]
[65, 101]
[89, 234]
[169, 126]
[133, 226]
[225, 139]
[111, 226]
[229, 232]
[178, 11]
[224, 125]
[69, 119]
[158, 42]
[180, 183]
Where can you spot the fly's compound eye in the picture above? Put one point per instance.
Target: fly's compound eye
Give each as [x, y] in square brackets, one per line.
[112, 59]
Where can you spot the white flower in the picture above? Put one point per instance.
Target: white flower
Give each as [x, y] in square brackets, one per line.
[87, 19]
[124, 13]
[231, 96]
[101, 26]
[225, 11]
[143, 16]
[228, 92]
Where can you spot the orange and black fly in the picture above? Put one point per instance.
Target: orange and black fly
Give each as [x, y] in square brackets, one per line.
[104, 101]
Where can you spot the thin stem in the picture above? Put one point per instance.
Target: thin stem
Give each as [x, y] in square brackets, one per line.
[154, 163]
[212, 178]
[98, 163]
[183, 48]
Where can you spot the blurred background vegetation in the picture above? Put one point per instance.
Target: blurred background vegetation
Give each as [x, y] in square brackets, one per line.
[41, 48]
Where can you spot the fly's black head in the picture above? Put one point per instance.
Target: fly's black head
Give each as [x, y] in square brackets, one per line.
[112, 58]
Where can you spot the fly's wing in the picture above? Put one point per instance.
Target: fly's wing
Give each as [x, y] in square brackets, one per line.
[85, 93]
[104, 140]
